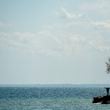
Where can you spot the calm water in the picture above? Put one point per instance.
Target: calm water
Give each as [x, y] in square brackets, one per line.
[50, 98]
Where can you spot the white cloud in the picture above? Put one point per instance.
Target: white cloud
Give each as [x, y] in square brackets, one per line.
[75, 34]
[97, 5]
[64, 13]
[100, 44]
[53, 43]
[103, 24]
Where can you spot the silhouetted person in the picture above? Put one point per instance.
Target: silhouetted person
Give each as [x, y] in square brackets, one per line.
[107, 90]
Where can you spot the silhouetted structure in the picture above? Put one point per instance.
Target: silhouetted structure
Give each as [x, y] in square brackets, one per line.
[104, 99]
[108, 66]
[107, 90]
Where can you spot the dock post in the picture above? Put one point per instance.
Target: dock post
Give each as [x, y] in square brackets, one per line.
[107, 90]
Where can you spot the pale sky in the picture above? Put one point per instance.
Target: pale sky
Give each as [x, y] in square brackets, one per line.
[54, 41]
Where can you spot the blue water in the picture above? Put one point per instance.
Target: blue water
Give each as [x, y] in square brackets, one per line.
[50, 98]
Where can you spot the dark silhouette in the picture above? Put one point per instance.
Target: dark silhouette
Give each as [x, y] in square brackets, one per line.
[108, 66]
[108, 71]
[107, 90]
[101, 99]
[104, 99]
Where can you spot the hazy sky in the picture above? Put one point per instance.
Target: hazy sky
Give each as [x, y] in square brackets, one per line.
[54, 41]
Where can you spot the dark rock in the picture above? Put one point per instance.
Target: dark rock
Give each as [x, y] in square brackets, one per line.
[102, 99]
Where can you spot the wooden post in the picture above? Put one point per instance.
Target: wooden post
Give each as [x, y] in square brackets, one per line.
[107, 90]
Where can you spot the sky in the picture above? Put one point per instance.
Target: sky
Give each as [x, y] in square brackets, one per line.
[54, 41]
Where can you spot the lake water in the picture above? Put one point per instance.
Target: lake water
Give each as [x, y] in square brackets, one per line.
[50, 98]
